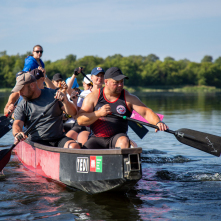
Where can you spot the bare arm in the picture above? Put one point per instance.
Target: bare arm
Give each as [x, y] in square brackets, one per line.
[17, 127]
[134, 103]
[86, 114]
[17, 130]
[10, 104]
[47, 81]
[70, 83]
[69, 107]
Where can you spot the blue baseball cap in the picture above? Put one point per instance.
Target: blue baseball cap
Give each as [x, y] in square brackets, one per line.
[97, 70]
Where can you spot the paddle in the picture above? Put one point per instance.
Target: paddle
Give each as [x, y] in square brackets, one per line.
[203, 141]
[6, 122]
[86, 76]
[139, 129]
[6, 153]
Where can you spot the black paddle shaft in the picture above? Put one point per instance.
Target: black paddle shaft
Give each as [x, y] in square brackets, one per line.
[202, 141]
[86, 77]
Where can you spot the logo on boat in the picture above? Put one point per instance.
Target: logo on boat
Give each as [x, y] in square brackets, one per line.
[96, 164]
[121, 109]
[82, 165]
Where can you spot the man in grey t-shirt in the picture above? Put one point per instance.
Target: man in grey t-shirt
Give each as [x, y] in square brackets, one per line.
[49, 129]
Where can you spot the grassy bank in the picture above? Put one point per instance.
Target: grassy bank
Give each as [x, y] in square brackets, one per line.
[5, 89]
[174, 89]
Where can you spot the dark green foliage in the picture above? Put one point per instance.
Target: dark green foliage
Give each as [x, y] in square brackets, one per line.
[168, 58]
[142, 70]
[207, 58]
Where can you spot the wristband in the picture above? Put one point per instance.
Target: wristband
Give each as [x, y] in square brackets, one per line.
[160, 122]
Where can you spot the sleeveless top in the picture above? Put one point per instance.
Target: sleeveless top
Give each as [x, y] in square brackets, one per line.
[109, 126]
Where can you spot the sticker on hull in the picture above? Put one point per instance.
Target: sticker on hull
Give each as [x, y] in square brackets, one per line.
[96, 164]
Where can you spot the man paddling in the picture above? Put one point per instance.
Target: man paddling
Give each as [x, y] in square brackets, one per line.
[109, 131]
[49, 129]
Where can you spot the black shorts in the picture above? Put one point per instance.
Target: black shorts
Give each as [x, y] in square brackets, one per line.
[102, 142]
[68, 126]
[77, 128]
[55, 142]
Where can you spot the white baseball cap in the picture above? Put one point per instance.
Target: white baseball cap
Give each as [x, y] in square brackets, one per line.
[86, 81]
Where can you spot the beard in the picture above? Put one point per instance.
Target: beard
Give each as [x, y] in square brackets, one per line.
[29, 96]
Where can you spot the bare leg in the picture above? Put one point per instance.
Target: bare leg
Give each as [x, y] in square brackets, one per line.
[83, 137]
[72, 134]
[122, 142]
[72, 145]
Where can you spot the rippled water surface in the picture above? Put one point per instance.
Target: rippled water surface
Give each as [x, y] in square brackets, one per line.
[179, 182]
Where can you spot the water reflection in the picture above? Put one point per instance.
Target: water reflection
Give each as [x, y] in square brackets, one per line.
[182, 102]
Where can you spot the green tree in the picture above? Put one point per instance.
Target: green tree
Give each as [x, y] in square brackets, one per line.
[168, 58]
[152, 57]
[218, 61]
[207, 58]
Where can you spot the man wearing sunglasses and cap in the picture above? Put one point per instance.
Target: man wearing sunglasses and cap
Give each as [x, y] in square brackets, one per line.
[109, 131]
[49, 129]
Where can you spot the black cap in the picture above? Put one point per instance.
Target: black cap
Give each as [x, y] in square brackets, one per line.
[37, 73]
[57, 77]
[114, 73]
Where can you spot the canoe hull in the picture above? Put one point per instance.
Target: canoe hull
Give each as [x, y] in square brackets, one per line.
[92, 171]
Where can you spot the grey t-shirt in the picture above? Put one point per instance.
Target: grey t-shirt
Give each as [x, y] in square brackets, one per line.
[48, 127]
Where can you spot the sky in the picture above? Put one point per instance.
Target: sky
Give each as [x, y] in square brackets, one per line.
[182, 29]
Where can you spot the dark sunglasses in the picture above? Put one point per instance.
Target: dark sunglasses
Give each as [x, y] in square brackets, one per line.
[39, 51]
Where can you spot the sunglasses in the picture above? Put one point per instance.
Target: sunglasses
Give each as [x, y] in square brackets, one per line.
[39, 51]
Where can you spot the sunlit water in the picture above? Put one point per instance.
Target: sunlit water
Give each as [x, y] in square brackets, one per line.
[179, 182]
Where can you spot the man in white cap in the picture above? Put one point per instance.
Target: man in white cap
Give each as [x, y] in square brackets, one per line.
[108, 131]
[49, 129]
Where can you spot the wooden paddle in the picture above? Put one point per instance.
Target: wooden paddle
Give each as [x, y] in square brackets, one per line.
[202, 141]
[6, 153]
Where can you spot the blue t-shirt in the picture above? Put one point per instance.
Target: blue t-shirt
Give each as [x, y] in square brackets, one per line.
[75, 84]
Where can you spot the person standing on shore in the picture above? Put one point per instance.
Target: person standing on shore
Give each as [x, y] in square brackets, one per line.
[34, 60]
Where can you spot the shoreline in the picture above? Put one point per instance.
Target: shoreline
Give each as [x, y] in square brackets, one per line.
[186, 89]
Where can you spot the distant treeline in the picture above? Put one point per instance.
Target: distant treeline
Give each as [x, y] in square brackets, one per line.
[143, 71]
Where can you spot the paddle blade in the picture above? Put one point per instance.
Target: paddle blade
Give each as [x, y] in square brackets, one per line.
[2, 118]
[203, 141]
[139, 129]
[5, 126]
[4, 157]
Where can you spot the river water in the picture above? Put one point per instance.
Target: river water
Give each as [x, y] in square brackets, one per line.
[179, 182]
